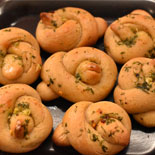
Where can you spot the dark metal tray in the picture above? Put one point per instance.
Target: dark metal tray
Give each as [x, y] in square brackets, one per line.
[25, 14]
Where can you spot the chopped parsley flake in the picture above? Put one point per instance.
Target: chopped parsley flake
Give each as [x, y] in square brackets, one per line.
[53, 22]
[144, 86]
[33, 56]
[104, 148]
[129, 42]
[150, 53]
[89, 89]
[126, 68]
[94, 138]
[51, 81]
[109, 118]
[122, 52]
[1, 53]
[78, 78]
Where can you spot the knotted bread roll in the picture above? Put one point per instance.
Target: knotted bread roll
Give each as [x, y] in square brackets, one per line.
[84, 73]
[67, 28]
[24, 121]
[135, 91]
[131, 36]
[20, 60]
[94, 128]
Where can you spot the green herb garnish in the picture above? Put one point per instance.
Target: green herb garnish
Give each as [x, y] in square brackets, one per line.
[94, 138]
[53, 22]
[151, 53]
[89, 89]
[17, 57]
[109, 118]
[122, 53]
[129, 42]
[104, 148]
[144, 87]
[153, 76]
[51, 81]
[33, 56]
[78, 78]
[126, 68]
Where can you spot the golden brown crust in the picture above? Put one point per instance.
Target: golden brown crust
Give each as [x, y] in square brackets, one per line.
[20, 60]
[142, 12]
[84, 73]
[102, 26]
[67, 28]
[45, 92]
[131, 36]
[135, 91]
[94, 128]
[24, 121]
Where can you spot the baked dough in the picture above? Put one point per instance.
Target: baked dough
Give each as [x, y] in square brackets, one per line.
[94, 128]
[24, 121]
[20, 60]
[67, 28]
[84, 73]
[135, 91]
[131, 36]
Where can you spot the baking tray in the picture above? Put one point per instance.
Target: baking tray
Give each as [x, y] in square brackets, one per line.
[25, 14]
